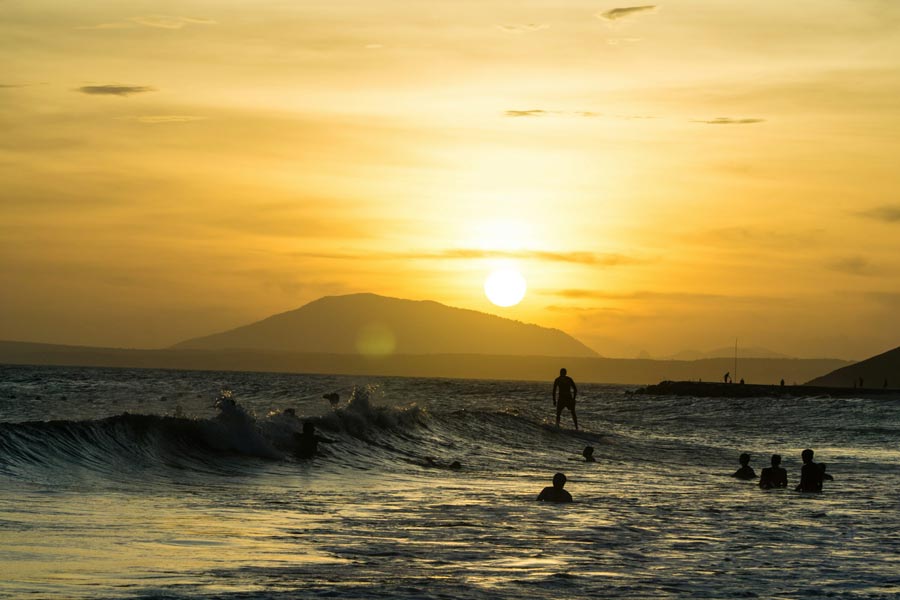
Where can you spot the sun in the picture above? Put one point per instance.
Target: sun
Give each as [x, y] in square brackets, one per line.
[505, 287]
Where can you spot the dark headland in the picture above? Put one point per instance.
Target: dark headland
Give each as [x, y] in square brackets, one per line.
[703, 389]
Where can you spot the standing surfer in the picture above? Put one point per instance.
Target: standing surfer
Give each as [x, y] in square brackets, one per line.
[567, 394]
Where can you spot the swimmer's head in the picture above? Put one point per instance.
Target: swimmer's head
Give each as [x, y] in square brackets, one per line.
[776, 460]
[744, 459]
[588, 452]
[562, 371]
[559, 480]
[807, 455]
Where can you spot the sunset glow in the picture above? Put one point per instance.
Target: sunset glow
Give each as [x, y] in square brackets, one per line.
[171, 173]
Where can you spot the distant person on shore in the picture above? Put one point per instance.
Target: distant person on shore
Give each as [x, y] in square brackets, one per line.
[307, 443]
[588, 454]
[774, 476]
[742, 381]
[555, 493]
[746, 471]
[567, 393]
[810, 474]
[782, 383]
[727, 377]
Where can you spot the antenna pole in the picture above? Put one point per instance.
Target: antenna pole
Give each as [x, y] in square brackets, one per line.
[735, 358]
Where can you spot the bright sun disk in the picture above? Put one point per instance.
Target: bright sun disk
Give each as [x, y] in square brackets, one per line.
[505, 287]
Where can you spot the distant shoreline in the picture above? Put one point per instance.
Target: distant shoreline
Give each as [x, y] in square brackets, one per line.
[746, 390]
[451, 366]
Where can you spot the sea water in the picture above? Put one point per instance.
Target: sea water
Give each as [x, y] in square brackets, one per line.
[119, 483]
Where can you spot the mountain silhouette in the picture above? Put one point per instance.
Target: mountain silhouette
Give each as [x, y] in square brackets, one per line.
[369, 324]
[874, 372]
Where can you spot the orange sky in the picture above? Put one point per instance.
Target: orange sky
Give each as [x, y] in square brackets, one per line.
[665, 177]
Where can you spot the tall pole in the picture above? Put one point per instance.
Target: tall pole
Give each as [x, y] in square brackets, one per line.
[735, 359]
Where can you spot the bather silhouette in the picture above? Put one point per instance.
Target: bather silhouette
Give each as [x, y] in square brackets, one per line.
[810, 474]
[307, 443]
[746, 471]
[774, 476]
[556, 493]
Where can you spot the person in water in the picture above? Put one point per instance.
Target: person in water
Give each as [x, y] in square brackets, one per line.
[567, 393]
[307, 443]
[746, 471]
[774, 476]
[588, 454]
[810, 474]
[555, 493]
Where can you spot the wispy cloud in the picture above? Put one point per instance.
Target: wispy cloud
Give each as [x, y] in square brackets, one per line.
[728, 121]
[155, 21]
[169, 22]
[537, 112]
[618, 41]
[644, 295]
[158, 119]
[889, 213]
[520, 28]
[598, 259]
[625, 12]
[852, 265]
[115, 90]
[526, 113]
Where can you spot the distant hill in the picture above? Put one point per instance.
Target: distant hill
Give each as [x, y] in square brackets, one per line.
[727, 352]
[372, 325]
[873, 371]
[470, 366]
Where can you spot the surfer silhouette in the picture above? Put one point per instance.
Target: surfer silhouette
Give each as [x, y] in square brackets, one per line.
[556, 493]
[810, 474]
[746, 471]
[307, 443]
[567, 393]
[774, 476]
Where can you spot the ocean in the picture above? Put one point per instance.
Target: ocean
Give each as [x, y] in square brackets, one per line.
[118, 483]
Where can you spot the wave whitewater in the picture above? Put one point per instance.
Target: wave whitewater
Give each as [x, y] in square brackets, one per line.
[368, 436]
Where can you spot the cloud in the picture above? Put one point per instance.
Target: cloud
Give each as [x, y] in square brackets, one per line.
[728, 121]
[520, 28]
[526, 113]
[537, 112]
[852, 265]
[156, 119]
[154, 21]
[168, 22]
[625, 12]
[643, 295]
[889, 213]
[114, 90]
[617, 41]
[598, 259]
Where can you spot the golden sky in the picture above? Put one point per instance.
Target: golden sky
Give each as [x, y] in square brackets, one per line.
[665, 177]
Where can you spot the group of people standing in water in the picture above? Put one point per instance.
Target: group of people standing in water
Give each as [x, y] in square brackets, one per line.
[812, 474]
